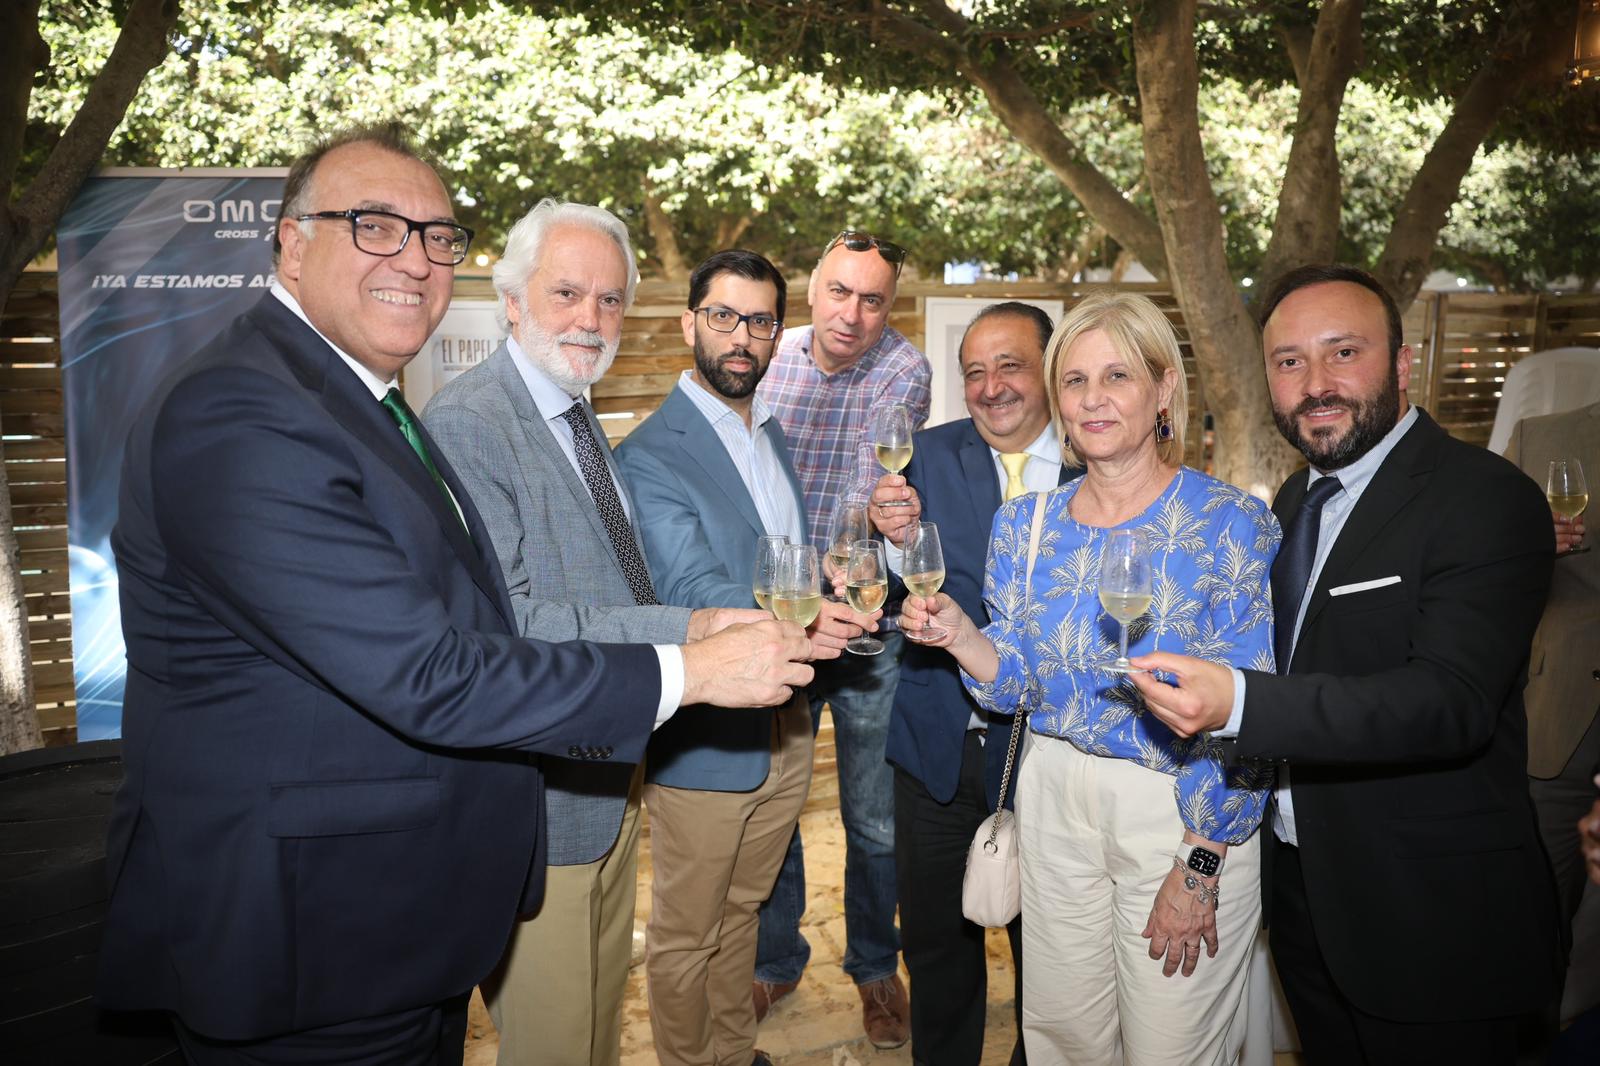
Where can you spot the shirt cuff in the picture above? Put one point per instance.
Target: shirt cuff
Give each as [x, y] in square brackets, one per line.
[672, 681]
[1236, 716]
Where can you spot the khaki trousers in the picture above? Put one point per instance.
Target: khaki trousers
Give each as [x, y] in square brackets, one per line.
[556, 996]
[716, 856]
[1097, 835]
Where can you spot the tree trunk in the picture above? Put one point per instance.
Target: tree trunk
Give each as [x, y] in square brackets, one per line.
[1306, 228]
[1227, 347]
[663, 237]
[26, 222]
[1536, 50]
[730, 228]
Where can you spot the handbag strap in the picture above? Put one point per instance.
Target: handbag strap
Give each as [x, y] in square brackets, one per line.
[1020, 718]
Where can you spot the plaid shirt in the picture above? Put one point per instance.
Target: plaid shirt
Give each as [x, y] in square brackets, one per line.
[826, 418]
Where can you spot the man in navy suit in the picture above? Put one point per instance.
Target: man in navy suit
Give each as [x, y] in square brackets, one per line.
[328, 822]
[947, 758]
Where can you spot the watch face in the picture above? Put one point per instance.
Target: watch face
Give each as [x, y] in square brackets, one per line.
[1203, 862]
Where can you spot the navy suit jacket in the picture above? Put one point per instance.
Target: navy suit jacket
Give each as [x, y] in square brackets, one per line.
[700, 527]
[315, 825]
[953, 472]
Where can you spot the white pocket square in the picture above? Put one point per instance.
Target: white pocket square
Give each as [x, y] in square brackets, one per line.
[1364, 586]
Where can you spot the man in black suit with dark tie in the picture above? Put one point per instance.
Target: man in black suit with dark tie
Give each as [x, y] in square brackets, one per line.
[1412, 911]
[330, 819]
[948, 760]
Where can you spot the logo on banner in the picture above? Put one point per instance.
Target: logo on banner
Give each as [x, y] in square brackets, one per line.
[237, 218]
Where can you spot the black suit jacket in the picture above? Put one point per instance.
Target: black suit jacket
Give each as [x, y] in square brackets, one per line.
[315, 826]
[1402, 722]
[954, 475]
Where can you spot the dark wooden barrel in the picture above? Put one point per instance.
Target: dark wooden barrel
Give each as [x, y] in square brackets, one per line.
[54, 804]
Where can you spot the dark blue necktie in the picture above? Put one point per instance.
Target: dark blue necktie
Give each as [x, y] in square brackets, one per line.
[597, 476]
[1291, 571]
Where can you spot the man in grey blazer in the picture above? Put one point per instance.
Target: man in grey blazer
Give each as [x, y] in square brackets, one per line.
[536, 464]
[711, 472]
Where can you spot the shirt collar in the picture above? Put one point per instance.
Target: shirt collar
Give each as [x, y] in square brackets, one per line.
[1358, 475]
[551, 399]
[375, 385]
[1045, 447]
[716, 409]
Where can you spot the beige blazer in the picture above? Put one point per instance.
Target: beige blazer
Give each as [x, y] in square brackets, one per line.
[1563, 693]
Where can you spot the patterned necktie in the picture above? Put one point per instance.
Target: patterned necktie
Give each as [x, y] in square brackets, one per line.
[1291, 571]
[403, 417]
[1014, 462]
[597, 475]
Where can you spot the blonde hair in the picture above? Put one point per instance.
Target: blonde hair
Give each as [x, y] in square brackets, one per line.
[1140, 334]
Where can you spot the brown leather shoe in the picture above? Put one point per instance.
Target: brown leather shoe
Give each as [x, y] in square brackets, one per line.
[765, 995]
[885, 1014]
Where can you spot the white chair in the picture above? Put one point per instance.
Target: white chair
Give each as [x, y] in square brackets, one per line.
[1545, 383]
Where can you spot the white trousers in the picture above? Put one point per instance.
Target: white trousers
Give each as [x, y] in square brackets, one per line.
[1097, 839]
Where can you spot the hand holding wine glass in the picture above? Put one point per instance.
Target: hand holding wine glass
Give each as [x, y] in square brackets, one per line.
[1568, 494]
[866, 587]
[1125, 586]
[847, 525]
[923, 573]
[797, 596]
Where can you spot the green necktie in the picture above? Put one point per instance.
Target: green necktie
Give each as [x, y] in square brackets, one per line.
[403, 417]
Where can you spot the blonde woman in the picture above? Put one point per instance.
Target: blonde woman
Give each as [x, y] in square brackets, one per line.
[1129, 833]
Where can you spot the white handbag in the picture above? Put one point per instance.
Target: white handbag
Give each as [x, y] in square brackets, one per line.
[991, 888]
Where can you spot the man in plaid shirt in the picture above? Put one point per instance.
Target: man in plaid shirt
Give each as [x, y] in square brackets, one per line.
[823, 385]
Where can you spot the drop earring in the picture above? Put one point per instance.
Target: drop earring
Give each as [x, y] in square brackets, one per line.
[1163, 425]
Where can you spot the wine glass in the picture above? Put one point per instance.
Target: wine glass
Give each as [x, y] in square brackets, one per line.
[892, 427]
[1125, 580]
[1567, 492]
[848, 525]
[922, 570]
[769, 546]
[866, 587]
[797, 596]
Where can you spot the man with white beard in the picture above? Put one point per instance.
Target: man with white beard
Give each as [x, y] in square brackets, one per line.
[517, 430]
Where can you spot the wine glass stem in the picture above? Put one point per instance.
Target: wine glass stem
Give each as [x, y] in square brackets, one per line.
[1123, 657]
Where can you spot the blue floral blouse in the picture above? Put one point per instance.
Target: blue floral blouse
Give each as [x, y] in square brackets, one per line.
[1211, 549]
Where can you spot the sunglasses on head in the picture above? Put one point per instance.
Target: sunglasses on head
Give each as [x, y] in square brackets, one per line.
[861, 241]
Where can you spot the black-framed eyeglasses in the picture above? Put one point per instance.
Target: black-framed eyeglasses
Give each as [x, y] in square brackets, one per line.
[762, 327]
[860, 241]
[386, 233]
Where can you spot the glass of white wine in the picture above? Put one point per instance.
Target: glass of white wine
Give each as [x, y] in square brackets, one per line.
[923, 573]
[848, 525]
[769, 546]
[1125, 586]
[798, 594]
[892, 427]
[1567, 492]
[866, 587]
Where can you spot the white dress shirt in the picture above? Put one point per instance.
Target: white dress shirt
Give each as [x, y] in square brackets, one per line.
[753, 456]
[670, 656]
[1353, 480]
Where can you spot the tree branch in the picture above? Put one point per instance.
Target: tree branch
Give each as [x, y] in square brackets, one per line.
[1306, 228]
[1537, 51]
[1025, 115]
[22, 54]
[141, 45]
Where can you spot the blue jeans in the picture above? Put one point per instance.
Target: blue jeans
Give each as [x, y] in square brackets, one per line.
[860, 692]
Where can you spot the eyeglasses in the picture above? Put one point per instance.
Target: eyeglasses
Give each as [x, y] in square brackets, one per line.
[724, 320]
[861, 241]
[385, 233]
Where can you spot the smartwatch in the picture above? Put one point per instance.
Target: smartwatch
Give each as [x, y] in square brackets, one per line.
[1202, 861]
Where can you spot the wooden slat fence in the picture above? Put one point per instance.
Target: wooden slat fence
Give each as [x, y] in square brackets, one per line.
[1464, 344]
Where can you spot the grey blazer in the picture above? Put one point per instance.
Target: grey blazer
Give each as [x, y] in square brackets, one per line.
[560, 569]
[1563, 693]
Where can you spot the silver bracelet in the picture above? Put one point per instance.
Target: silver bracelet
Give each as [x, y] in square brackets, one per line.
[1205, 893]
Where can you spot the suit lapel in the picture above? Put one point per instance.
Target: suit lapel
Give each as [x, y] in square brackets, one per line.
[704, 448]
[982, 482]
[1399, 478]
[348, 402]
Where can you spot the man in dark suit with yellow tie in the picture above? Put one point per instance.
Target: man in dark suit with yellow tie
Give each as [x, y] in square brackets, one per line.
[328, 822]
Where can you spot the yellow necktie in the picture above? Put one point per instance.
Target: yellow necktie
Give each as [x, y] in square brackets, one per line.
[1014, 462]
